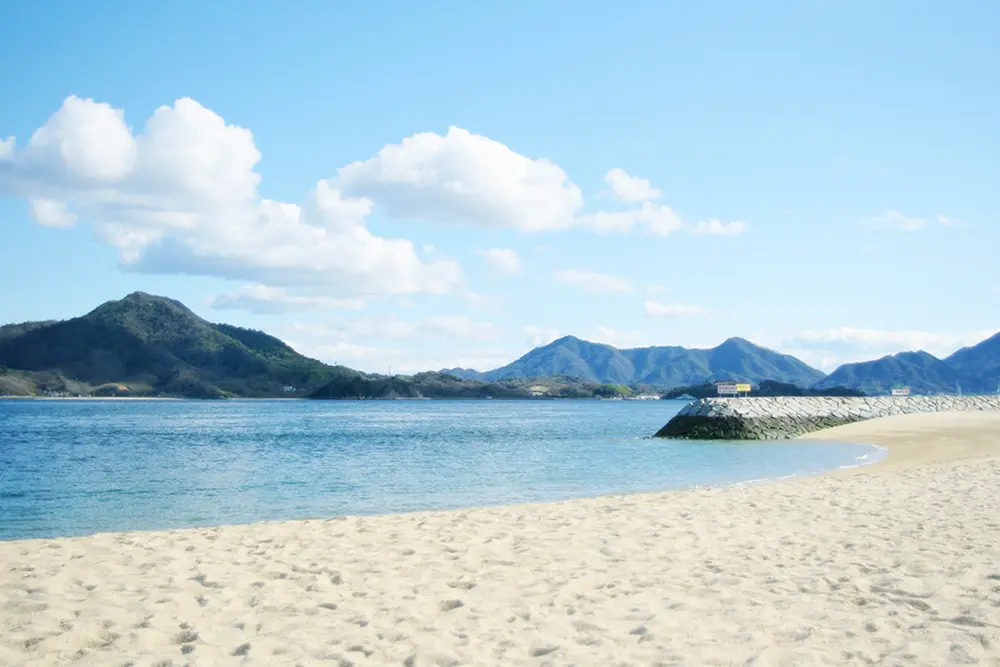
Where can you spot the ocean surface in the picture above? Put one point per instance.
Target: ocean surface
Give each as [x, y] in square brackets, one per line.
[72, 468]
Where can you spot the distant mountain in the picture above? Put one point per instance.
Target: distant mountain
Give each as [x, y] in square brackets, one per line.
[464, 373]
[979, 365]
[146, 344]
[921, 372]
[735, 359]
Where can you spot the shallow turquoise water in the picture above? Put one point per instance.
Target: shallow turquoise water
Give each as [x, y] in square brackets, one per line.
[79, 467]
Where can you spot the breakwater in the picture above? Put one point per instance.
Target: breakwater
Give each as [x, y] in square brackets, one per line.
[789, 417]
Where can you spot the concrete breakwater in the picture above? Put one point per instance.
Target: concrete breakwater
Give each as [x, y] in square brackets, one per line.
[789, 417]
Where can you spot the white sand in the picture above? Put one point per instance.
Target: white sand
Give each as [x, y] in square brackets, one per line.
[898, 564]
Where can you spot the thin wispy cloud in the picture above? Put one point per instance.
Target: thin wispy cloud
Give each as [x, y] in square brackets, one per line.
[593, 282]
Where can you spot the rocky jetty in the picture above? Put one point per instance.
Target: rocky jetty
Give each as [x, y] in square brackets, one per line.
[789, 417]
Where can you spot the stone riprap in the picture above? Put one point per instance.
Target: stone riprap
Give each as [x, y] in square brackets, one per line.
[789, 417]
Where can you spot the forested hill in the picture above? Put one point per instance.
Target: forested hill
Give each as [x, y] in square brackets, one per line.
[151, 345]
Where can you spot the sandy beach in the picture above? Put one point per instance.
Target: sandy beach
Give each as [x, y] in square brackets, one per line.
[893, 564]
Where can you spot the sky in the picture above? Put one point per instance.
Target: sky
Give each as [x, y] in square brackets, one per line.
[415, 186]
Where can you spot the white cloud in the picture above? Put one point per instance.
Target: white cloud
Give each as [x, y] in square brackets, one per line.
[266, 300]
[719, 228]
[659, 309]
[361, 357]
[83, 141]
[538, 336]
[452, 327]
[946, 221]
[829, 348]
[333, 343]
[477, 359]
[590, 281]
[616, 338]
[458, 326]
[630, 188]
[7, 148]
[465, 179]
[824, 360]
[181, 197]
[657, 219]
[503, 260]
[894, 220]
[51, 213]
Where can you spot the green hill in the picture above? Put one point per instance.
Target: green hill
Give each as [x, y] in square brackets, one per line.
[154, 345]
[979, 365]
[734, 359]
[922, 372]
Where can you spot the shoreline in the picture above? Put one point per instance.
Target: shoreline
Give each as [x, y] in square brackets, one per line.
[894, 562]
[918, 440]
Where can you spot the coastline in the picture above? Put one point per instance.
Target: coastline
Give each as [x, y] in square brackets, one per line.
[894, 561]
[924, 439]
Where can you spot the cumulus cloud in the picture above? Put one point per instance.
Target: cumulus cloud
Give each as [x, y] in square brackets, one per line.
[655, 218]
[630, 188]
[181, 197]
[266, 300]
[719, 228]
[467, 179]
[502, 260]
[593, 282]
[50, 213]
[660, 309]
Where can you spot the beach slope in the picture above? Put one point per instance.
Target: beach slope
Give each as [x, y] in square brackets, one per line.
[893, 564]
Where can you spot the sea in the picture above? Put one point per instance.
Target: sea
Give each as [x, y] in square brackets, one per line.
[71, 468]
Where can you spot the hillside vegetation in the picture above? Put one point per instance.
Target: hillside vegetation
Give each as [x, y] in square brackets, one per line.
[735, 359]
[150, 345]
[145, 345]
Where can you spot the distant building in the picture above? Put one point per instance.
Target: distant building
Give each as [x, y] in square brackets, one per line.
[729, 388]
[288, 389]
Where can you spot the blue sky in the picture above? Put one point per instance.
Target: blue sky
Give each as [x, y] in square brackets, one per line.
[420, 185]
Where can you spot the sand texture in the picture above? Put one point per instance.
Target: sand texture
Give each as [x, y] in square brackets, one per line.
[898, 564]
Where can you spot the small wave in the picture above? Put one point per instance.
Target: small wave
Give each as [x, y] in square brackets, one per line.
[874, 456]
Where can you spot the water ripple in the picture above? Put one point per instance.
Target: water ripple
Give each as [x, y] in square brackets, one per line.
[78, 467]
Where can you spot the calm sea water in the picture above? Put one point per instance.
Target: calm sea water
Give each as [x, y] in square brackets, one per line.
[79, 467]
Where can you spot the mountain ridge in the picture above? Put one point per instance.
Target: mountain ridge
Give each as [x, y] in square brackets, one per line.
[144, 344]
[661, 366]
[972, 369]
